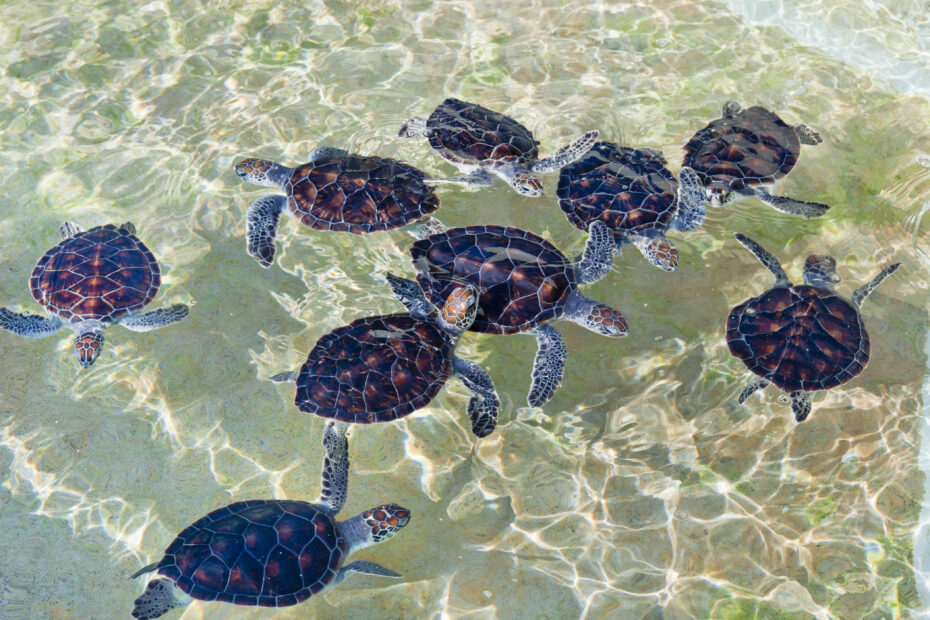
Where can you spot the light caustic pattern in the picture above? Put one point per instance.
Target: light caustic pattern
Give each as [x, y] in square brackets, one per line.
[640, 491]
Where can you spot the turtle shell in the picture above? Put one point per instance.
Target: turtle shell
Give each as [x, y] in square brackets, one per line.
[799, 338]
[752, 147]
[375, 369]
[630, 190]
[467, 133]
[522, 279]
[101, 274]
[358, 194]
[271, 553]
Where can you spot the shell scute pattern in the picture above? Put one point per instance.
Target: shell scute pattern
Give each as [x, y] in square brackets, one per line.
[799, 338]
[522, 279]
[359, 194]
[101, 274]
[375, 369]
[263, 552]
[630, 190]
[468, 133]
[752, 147]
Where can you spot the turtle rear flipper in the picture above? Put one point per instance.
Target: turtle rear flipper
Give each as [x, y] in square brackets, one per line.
[791, 206]
[160, 597]
[29, 325]
[756, 383]
[261, 227]
[800, 405]
[573, 151]
[807, 135]
[548, 365]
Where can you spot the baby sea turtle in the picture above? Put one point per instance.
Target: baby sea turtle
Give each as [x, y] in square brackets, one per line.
[271, 552]
[745, 150]
[90, 281]
[523, 282]
[801, 338]
[481, 142]
[334, 191]
[381, 368]
[635, 195]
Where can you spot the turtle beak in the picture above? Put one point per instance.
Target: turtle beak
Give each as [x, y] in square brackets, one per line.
[87, 347]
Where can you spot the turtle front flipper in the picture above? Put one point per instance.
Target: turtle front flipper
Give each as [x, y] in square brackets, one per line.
[411, 295]
[485, 405]
[598, 254]
[791, 206]
[573, 151]
[863, 291]
[691, 210]
[335, 479]
[261, 226]
[425, 227]
[659, 251]
[807, 135]
[548, 365]
[414, 128]
[327, 151]
[477, 178]
[756, 383]
[595, 316]
[29, 325]
[768, 261]
[800, 405]
[367, 568]
[155, 319]
[68, 230]
[160, 597]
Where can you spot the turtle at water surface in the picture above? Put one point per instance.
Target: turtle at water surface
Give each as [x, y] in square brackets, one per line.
[635, 195]
[801, 338]
[381, 368]
[523, 282]
[89, 281]
[481, 142]
[745, 150]
[272, 553]
[333, 191]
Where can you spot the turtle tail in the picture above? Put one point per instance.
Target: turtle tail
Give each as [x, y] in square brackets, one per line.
[157, 600]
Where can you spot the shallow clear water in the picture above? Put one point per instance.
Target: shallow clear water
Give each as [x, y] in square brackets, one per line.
[641, 490]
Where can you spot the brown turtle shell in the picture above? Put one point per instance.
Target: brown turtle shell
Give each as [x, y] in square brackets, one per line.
[630, 190]
[752, 147]
[799, 338]
[467, 133]
[376, 369]
[522, 279]
[101, 274]
[272, 553]
[358, 194]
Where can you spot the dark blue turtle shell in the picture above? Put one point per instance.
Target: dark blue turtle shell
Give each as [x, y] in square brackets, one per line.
[272, 553]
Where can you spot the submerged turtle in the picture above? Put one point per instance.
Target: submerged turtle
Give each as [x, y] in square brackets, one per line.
[334, 191]
[381, 368]
[271, 552]
[523, 282]
[745, 150]
[801, 338]
[90, 281]
[635, 195]
[481, 142]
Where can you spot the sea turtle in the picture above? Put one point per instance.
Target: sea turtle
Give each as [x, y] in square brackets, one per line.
[381, 368]
[523, 281]
[334, 191]
[801, 338]
[632, 192]
[271, 552]
[89, 281]
[745, 150]
[481, 142]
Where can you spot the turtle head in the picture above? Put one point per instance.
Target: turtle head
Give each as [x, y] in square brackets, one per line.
[460, 309]
[717, 194]
[373, 526]
[659, 251]
[820, 271]
[87, 347]
[262, 172]
[527, 184]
